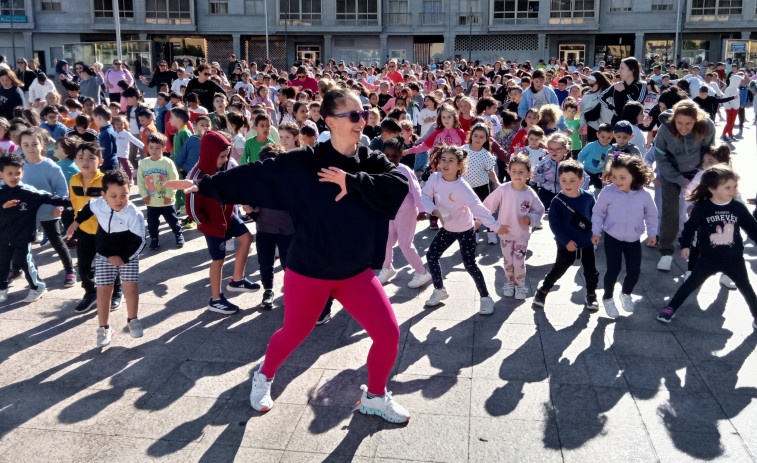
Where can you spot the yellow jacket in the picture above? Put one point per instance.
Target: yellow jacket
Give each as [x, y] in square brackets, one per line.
[80, 196]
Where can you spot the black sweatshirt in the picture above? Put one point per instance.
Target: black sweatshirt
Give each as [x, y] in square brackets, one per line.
[334, 240]
[18, 224]
[710, 104]
[718, 228]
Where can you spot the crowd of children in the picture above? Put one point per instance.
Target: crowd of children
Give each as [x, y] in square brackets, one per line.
[479, 150]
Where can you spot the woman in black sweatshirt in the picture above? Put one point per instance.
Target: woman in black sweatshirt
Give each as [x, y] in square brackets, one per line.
[630, 88]
[329, 191]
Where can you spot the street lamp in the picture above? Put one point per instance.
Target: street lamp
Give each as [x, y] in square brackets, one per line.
[13, 34]
[470, 31]
[117, 18]
[286, 36]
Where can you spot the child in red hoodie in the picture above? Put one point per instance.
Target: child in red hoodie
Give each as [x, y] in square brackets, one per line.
[219, 223]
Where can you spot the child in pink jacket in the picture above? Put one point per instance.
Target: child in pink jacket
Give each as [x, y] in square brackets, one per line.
[402, 228]
[447, 131]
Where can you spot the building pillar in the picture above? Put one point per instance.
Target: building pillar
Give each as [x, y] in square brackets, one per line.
[745, 35]
[327, 53]
[542, 54]
[28, 45]
[639, 46]
[449, 46]
[383, 53]
[236, 40]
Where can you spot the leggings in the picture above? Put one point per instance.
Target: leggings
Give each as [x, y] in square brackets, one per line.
[730, 121]
[402, 232]
[563, 262]
[441, 242]
[126, 166]
[362, 296]
[266, 243]
[734, 268]
[52, 230]
[615, 251]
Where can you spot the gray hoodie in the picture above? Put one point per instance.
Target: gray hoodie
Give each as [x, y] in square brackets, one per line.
[91, 87]
[676, 157]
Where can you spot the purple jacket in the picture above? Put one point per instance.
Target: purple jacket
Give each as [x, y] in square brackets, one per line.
[623, 215]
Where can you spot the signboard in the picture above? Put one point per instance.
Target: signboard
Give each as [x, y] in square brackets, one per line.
[17, 18]
[738, 47]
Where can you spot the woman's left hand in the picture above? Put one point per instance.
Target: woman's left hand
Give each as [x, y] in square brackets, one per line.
[335, 175]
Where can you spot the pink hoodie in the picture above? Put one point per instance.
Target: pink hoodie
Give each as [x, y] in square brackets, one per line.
[513, 205]
[413, 198]
[454, 137]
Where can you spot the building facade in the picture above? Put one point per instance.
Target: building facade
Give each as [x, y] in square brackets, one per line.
[368, 30]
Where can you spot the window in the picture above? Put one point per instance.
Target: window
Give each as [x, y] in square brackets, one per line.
[470, 13]
[513, 11]
[572, 9]
[399, 13]
[399, 55]
[299, 12]
[254, 7]
[357, 12]
[621, 5]
[433, 12]
[104, 9]
[219, 7]
[572, 52]
[53, 5]
[715, 7]
[662, 5]
[14, 7]
[168, 12]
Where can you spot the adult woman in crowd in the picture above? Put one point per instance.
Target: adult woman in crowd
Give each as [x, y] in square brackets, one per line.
[11, 93]
[593, 112]
[89, 81]
[64, 79]
[339, 182]
[112, 77]
[628, 88]
[161, 75]
[25, 74]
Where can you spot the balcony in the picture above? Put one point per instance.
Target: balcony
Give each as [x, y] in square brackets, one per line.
[398, 19]
[433, 19]
[470, 19]
[361, 19]
[297, 19]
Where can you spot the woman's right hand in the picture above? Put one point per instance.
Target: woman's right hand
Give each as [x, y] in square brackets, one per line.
[685, 253]
[187, 185]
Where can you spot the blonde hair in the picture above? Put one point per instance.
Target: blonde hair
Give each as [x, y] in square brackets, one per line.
[122, 119]
[548, 115]
[692, 110]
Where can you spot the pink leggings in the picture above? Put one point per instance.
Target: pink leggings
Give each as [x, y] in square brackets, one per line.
[362, 296]
[402, 231]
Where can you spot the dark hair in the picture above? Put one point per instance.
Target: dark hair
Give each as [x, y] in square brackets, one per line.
[601, 80]
[641, 174]
[671, 96]
[145, 112]
[203, 117]
[521, 159]
[395, 143]
[288, 92]
[239, 121]
[633, 64]
[48, 110]
[68, 145]
[270, 150]
[508, 117]
[82, 120]
[164, 95]
[307, 131]
[721, 153]
[181, 113]
[123, 84]
[461, 154]
[73, 86]
[102, 111]
[130, 92]
[605, 128]
[262, 117]
[191, 97]
[569, 102]
[631, 111]
[157, 137]
[11, 159]
[115, 177]
[480, 126]
[712, 177]
[485, 103]
[570, 165]
[92, 147]
[538, 74]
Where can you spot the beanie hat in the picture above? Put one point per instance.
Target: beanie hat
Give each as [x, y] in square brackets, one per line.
[623, 127]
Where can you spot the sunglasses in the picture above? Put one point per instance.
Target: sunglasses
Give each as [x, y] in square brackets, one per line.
[116, 64]
[206, 74]
[302, 76]
[354, 116]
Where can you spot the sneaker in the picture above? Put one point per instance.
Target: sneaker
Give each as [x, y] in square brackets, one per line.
[70, 280]
[44, 241]
[383, 406]
[434, 226]
[222, 306]
[666, 315]
[323, 319]
[665, 263]
[87, 303]
[626, 301]
[103, 336]
[491, 238]
[190, 225]
[521, 293]
[12, 277]
[727, 282]
[540, 297]
[437, 297]
[3, 295]
[610, 308]
[419, 279]
[135, 328]
[179, 240]
[35, 294]
[72, 243]
[260, 395]
[267, 299]
[242, 286]
[591, 303]
[486, 306]
[386, 274]
[154, 244]
[508, 290]
[116, 300]
[230, 246]
[39, 237]
[686, 275]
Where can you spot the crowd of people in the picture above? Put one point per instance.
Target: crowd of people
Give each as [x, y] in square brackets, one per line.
[483, 152]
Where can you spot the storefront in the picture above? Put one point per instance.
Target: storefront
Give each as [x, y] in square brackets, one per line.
[740, 52]
[135, 53]
[612, 49]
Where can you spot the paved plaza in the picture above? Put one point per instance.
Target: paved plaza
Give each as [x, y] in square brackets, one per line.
[519, 385]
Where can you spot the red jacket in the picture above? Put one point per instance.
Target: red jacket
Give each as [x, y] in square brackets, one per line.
[211, 216]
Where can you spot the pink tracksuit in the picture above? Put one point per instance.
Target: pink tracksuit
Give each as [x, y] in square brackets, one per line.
[402, 228]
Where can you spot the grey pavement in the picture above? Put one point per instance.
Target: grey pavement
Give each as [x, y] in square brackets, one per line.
[557, 384]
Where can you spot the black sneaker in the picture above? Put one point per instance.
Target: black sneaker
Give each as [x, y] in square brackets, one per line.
[242, 286]
[154, 244]
[222, 306]
[88, 302]
[591, 303]
[323, 319]
[540, 297]
[268, 299]
[180, 240]
[667, 314]
[116, 300]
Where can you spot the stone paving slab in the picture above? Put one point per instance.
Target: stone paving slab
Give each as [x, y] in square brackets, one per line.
[521, 385]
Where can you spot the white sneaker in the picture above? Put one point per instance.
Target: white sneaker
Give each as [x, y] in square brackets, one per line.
[610, 308]
[665, 263]
[492, 237]
[437, 297]
[521, 293]
[39, 237]
[486, 306]
[627, 302]
[260, 395]
[419, 279]
[383, 406]
[3, 295]
[386, 274]
[686, 275]
[508, 290]
[726, 281]
[230, 246]
[104, 335]
[135, 328]
[35, 294]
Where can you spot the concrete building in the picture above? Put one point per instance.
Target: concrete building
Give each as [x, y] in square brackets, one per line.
[363, 30]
